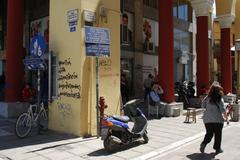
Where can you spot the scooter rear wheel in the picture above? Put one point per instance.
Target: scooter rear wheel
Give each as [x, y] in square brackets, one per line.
[110, 145]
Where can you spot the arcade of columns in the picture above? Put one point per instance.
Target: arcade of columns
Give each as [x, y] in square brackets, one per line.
[225, 14]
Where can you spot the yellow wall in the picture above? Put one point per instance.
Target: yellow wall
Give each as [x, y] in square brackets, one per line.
[223, 7]
[77, 115]
[237, 20]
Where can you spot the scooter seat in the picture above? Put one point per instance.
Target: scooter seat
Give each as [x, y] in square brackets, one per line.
[121, 118]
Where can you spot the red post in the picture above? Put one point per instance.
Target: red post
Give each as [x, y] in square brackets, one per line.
[166, 56]
[202, 53]
[14, 54]
[226, 63]
[102, 107]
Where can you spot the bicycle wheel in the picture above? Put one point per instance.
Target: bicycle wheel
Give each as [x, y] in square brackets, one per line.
[43, 120]
[23, 125]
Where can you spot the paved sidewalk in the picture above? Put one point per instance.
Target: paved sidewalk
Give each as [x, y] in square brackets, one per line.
[163, 134]
[190, 151]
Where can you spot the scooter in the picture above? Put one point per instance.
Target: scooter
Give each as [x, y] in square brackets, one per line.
[115, 131]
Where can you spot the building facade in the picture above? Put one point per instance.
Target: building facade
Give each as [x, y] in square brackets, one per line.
[172, 36]
[139, 52]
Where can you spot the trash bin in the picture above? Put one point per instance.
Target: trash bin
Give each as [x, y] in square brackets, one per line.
[230, 97]
[235, 116]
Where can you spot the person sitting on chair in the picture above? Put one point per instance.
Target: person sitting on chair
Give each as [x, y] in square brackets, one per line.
[154, 97]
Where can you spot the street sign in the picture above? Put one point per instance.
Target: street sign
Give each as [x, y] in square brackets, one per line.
[89, 16]
[97, 49]
[34, 63]
[97, 41]
[72, 19]
[97, 35]
[72, 15]
[97, 44]
[38, 46]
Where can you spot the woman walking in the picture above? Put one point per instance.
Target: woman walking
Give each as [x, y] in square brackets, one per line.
[213, 117]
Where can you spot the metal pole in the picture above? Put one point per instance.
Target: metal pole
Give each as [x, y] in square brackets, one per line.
[97, 95]
[49, 76]
[38, 88]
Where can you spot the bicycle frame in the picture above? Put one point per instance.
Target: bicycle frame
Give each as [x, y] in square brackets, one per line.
[32, 115]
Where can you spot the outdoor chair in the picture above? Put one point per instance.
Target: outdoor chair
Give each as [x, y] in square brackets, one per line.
[191, 113]
[155, 110]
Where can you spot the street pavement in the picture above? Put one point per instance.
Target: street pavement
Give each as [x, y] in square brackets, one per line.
[168, 137]
[190, 151]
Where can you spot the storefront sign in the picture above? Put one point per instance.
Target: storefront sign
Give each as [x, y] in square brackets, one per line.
[89, 16]
[97, 41]
[72, 19]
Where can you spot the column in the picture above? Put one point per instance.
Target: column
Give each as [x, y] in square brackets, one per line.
[202, 8]
[226, 60]
[138, 45]
[14, 53]
[166, 56]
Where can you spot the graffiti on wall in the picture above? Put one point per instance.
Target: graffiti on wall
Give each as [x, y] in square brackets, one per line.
[65, 111]
[105, 64]
[68, 88]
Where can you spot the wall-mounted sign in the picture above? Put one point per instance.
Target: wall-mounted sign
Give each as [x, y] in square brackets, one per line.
[97, 41]
[89, 16]
[72, 19]
[34, 63]
[37, 46]
[237, 45]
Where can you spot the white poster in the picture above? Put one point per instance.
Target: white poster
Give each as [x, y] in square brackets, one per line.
[40, 26]
[127, 27]
[150, 31]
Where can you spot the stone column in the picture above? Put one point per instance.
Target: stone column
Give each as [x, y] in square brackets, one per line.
[14, 53]
[166, 56]
[226, 60]
[202, 8]
[138, 45]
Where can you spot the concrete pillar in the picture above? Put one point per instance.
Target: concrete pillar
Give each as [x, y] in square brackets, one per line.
[14, 54]
[166, 56]
[226, 60]
[202, 8]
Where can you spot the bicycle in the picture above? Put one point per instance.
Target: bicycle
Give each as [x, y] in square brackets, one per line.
[30, 119]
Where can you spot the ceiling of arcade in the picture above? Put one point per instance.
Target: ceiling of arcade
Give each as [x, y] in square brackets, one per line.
[230, 8]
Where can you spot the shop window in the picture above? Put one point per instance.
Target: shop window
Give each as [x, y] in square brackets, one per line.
[183, 12]
[126, 28]
[175, 11]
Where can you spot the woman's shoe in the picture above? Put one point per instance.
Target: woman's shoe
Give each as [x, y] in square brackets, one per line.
[219, 151]
[202, 148]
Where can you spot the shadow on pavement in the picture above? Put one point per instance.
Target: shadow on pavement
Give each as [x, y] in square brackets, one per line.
[202, 156]
[103, 152]
[9, 140]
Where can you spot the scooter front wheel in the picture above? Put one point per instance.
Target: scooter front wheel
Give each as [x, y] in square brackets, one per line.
[145, 137]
